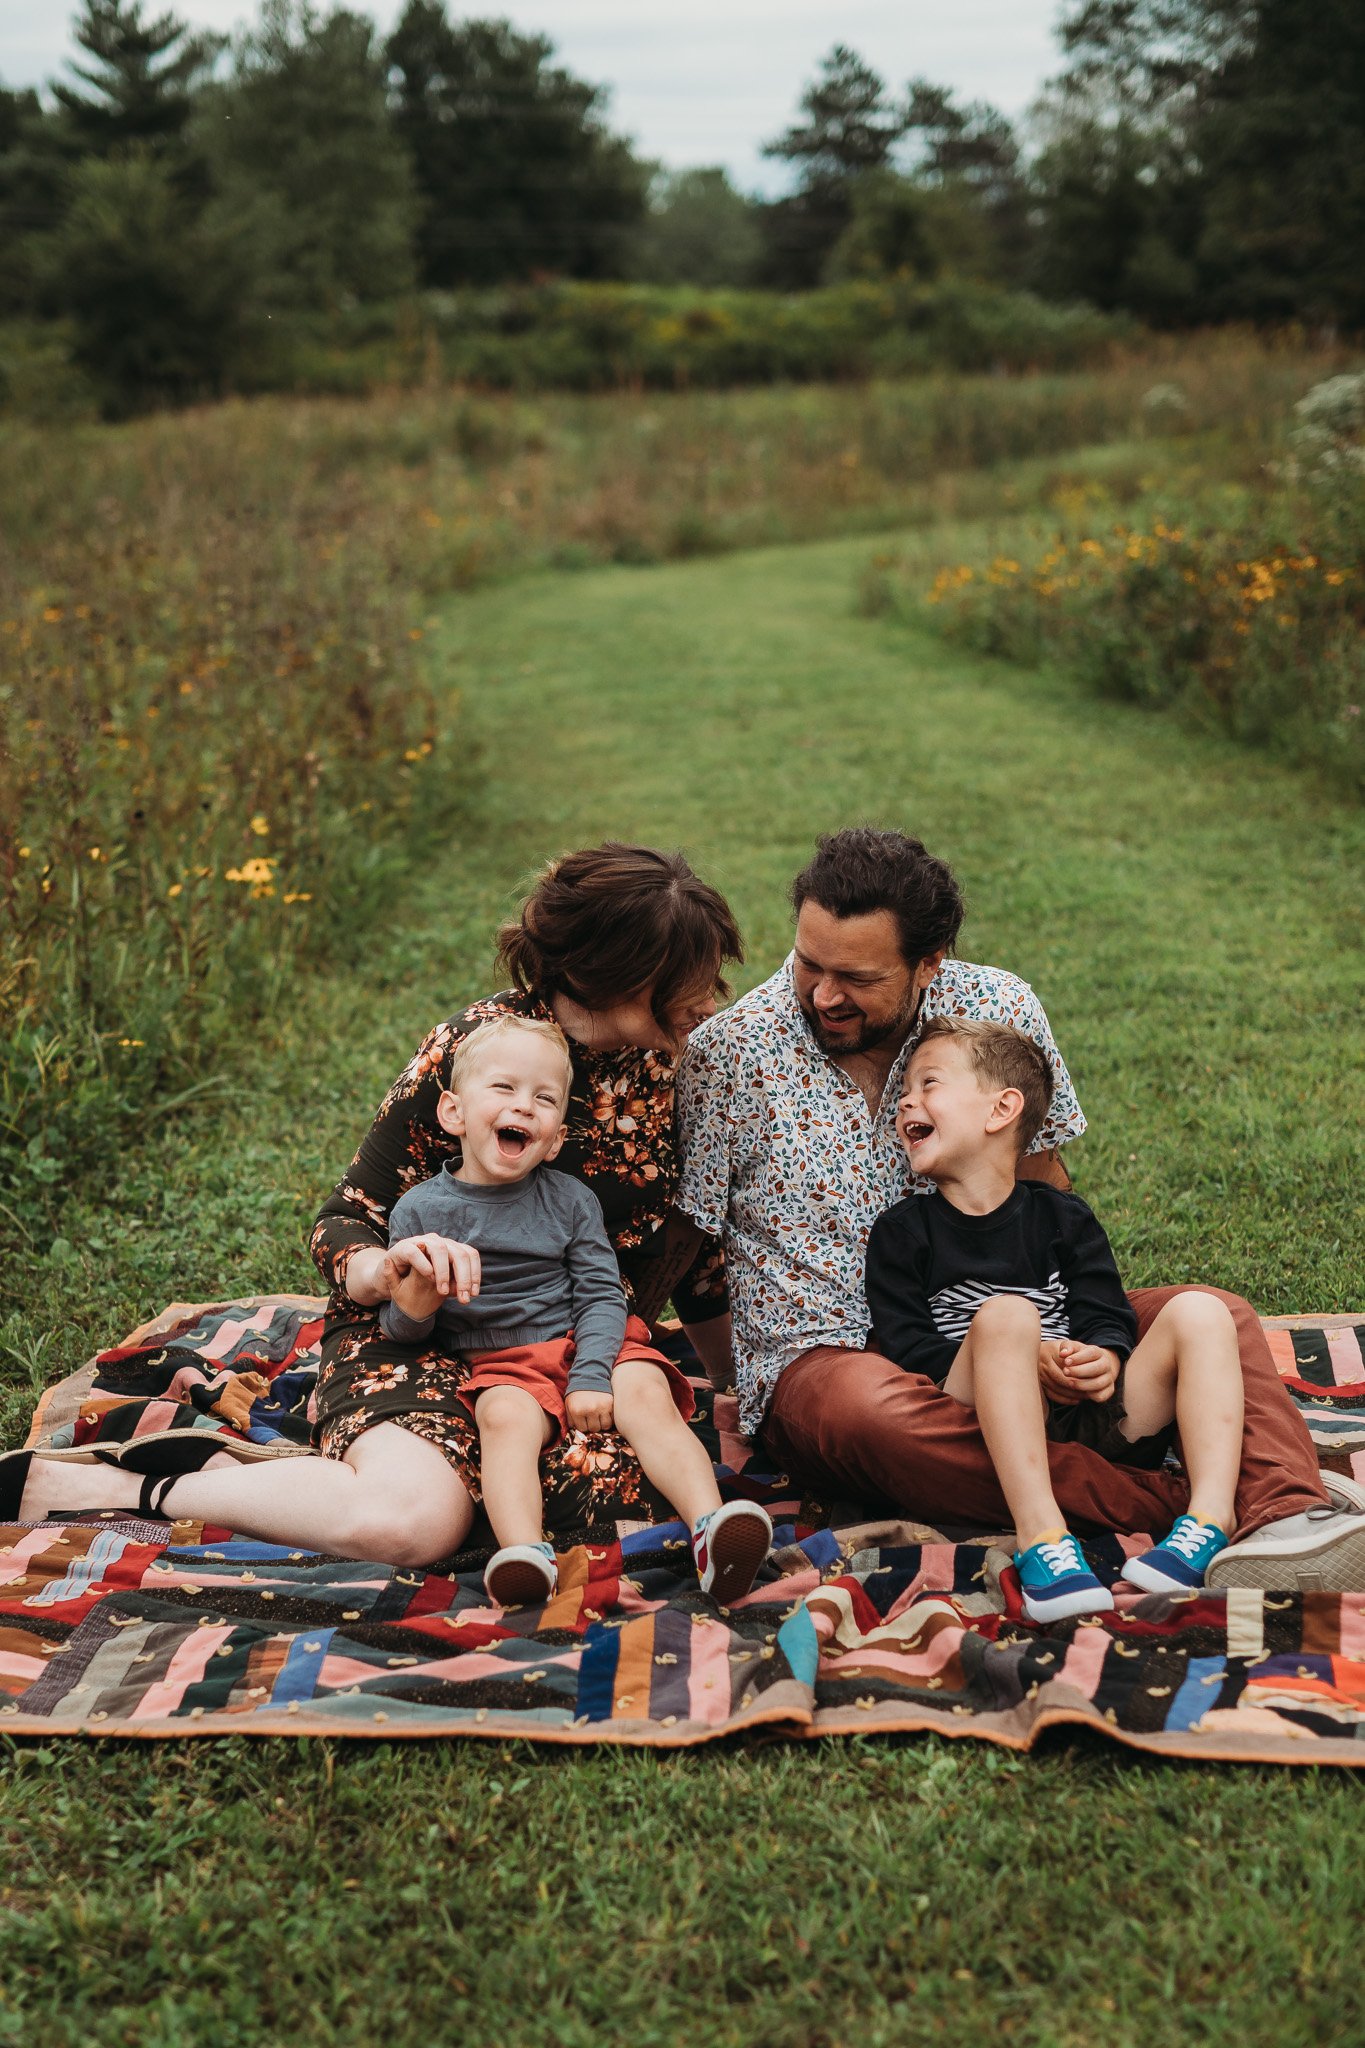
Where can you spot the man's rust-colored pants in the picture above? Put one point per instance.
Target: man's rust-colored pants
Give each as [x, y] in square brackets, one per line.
[855, 1421]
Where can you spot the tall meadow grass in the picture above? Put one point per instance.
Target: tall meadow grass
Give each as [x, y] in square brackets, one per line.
[220, 746]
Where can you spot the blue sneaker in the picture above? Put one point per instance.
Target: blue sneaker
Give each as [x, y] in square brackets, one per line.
[1181, 1561]
[1057, 1582]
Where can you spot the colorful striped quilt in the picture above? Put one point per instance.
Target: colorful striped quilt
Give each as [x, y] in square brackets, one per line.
[112, 1625]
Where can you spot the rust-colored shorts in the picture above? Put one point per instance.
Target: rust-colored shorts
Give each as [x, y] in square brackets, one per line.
[542, 1370]
[368, 1378]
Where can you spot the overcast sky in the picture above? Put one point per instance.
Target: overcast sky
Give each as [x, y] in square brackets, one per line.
[692, 81]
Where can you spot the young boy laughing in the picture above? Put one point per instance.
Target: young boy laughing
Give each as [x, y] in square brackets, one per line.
[1006, 1293]
[537, 1322]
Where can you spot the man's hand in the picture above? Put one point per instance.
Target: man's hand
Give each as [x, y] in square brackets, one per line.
[1072, 1372]
[591, 1412]
[422, 1272]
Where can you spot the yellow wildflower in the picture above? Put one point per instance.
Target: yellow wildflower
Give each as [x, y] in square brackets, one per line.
[260, 824]
[257, 874]
[175, 888]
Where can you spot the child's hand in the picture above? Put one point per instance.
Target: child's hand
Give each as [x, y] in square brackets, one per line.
[590, 1412]
[1092, 1372]
[1057, 1382]
[422, 1272]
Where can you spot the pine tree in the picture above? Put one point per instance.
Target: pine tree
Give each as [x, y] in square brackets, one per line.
[849, 132]
[142, 78]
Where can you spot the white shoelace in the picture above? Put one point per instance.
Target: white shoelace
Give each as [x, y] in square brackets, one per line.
[1062, 1556]
[1190, 1540]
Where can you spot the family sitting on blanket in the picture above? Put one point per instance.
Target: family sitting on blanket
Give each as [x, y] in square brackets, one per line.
[749, 1201]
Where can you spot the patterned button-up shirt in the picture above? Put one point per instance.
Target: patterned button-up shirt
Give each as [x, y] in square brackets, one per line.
[782, 1158]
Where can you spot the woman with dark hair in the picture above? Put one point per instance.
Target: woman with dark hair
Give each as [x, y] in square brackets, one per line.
[623, 946]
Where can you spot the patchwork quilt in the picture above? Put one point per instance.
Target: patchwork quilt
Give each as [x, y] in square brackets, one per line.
[114, 1625]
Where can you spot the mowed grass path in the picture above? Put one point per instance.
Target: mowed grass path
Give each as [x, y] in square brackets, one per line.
[1187, 915]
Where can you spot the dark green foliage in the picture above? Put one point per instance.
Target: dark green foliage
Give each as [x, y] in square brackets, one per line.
[894, 230]
[517, 171]
[1206, 160]
[1119, 216]
[699, 230]
[1283, 232]
[302, 152]
[153, 285]
[34, 154]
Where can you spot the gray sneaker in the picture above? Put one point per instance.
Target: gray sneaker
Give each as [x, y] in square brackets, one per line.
[1347, 1493]
[1321, 1550]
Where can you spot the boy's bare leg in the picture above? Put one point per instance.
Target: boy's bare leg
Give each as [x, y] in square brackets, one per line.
[394, 1498]
[673, 1457]
[996, 1373]
[513, 1431]
[1187, 1369]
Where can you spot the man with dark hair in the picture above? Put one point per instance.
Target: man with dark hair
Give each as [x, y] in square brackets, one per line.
[787, 1119]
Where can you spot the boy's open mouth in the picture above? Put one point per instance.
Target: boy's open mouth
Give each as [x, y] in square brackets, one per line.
[512, 1142]
[915, 1134]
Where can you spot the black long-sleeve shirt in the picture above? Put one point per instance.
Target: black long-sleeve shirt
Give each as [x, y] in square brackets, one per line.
[930, 1267]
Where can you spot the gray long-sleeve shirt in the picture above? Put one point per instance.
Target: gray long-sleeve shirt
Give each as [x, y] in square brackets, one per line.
[546, 1267]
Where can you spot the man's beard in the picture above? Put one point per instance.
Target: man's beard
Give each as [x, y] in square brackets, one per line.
[868, 1036]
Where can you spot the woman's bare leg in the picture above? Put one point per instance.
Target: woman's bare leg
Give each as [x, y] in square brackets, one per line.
[513, 1431]
[394, 1498]
[673, 1457]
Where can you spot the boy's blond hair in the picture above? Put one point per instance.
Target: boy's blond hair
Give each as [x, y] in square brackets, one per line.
[1007, 1059]
[476, 1043]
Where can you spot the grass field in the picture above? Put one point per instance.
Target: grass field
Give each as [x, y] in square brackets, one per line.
[1191, 916]
[222, 757]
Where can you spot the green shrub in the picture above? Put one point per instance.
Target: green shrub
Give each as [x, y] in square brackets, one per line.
[1257, 625]
[596, 337]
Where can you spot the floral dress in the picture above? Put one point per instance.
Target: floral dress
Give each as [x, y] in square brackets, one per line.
[621, 1144]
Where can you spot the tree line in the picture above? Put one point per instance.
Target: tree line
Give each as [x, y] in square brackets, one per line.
[1195, 161]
